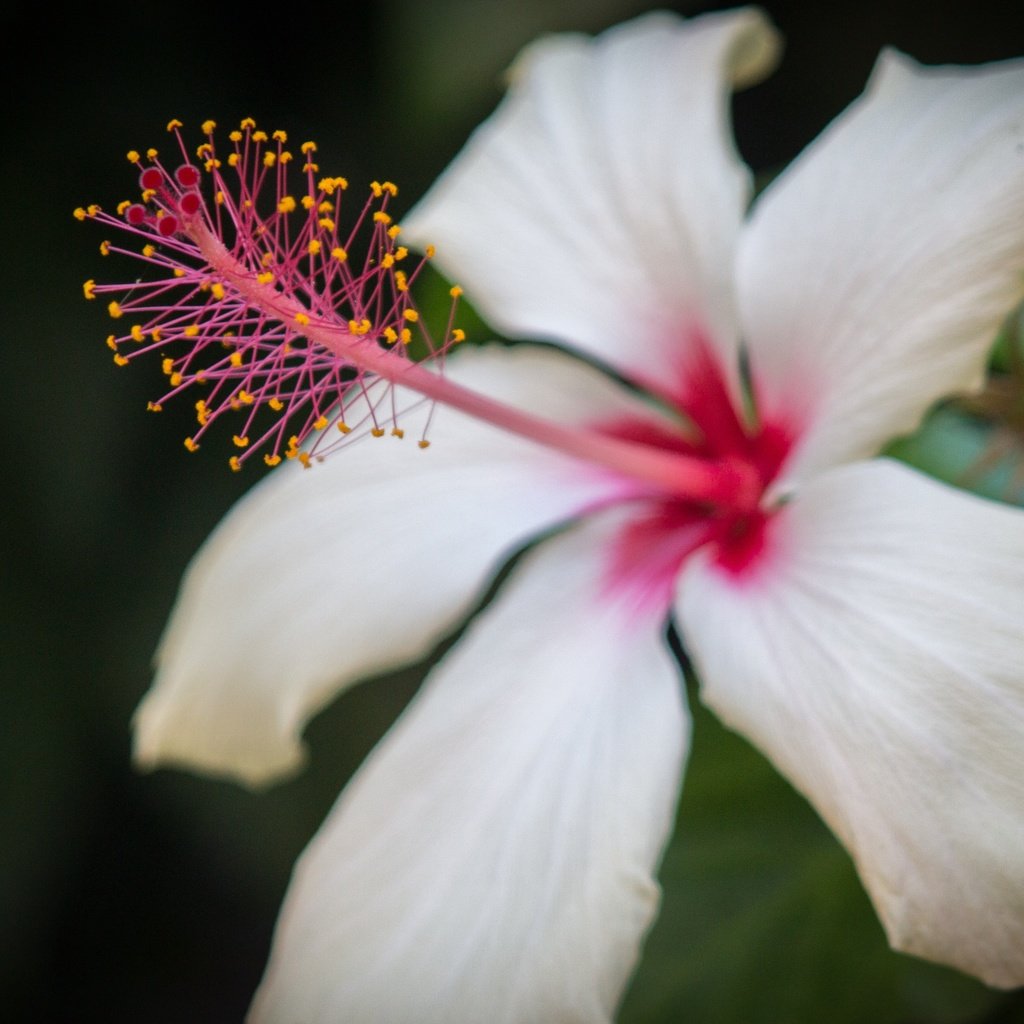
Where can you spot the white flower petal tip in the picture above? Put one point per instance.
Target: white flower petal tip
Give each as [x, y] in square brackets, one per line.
[169, 733]
[494, 858]
[875, 272]
[752, 51]
[880, 665]
[599, 206]
[319, 579]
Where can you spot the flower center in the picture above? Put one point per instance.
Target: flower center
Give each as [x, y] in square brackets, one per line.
[666, 530]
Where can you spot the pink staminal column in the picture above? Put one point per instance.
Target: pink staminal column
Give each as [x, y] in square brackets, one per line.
[254, 296]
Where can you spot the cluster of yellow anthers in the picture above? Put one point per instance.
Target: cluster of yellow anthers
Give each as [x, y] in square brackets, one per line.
[250, 292]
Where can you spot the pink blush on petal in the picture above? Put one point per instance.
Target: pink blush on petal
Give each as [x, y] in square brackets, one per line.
[647, 554]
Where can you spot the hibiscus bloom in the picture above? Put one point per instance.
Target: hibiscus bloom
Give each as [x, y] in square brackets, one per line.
[495, 857]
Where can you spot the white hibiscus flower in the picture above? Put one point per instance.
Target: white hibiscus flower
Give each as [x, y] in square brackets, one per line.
[495, 857]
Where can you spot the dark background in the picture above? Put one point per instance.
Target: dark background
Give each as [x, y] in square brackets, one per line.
[151, 898]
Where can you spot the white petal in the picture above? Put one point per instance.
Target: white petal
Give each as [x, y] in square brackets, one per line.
[875, 273]
[320, 578]
[600, 205]
[878, 660]
[493, 860]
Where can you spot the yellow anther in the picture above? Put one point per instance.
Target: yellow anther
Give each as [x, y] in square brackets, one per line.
[377, 432]
[111, 342]
[174, 123]
[390, 186]
[235, 136]
[405, 335]
[308, 147]
[310, 166]
[390, 335]
[114, 310]
[154, 407]
[397, 432]
[235, 464]
[245, 398]
[217, 290]
[204, 286]
[280, 136]
[276, 404]
[104, 248]
[208, 127]
[240, 442]
[301, 319]
[265, 278]
[272, 460]
[235, 359]
[191, 445]
[286, 157]
[191, 331]
[234, 160]
[304, 459]
[89, 289]
[219, 197]
[455, 291]
[151, 154]
[175, 379]
[120, 360]
[424, 443]
[314, 248]
[269, 158]
[458, 334]
[148, 250]
[394, 231]
[377, 188]
[156, 334]
[401, 252]
[203, 150]
[344, 427]
[138, 334]
[430, 252]
[260, 136]
[308, 202]
[401, 281]
[211, 164]
[325, 208]
[381, 217]
[167, 365]
[121, 207]
[339, 254]
[320, 423]
[178, 272]
[133, 156]
[247, 124]
[79, 213]
[326, 223]
[267, 258]
[411, 315]
[147, 195]
[388, 261]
